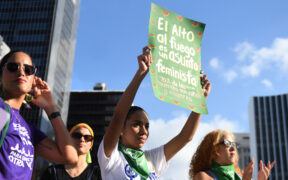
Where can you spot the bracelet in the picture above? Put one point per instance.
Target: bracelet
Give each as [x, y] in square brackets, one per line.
[54, 115]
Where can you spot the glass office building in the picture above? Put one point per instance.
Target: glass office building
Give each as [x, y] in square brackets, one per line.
[244, 149]
[46, 29]
[269, 133]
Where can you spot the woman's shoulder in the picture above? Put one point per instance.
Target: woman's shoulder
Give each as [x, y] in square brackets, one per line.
[203, 175]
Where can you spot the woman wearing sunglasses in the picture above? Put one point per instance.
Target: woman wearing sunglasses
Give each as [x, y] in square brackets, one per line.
[216, 158]
[22, 140]
[120, 155]
[83, 136]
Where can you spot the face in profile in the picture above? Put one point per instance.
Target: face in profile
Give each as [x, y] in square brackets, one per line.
[18, 74]
[136, 130]
[227, 151]
[82, 139]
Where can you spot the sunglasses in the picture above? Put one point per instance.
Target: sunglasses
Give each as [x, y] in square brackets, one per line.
[229, 144]
[77, 135]
[28, 69]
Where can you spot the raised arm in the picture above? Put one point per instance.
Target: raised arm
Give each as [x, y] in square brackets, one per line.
[61, 150]
[116, 125]
[189, 129]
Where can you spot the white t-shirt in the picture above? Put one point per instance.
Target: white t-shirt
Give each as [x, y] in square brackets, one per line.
[116, 167]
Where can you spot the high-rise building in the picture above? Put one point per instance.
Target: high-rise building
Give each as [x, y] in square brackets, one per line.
[95, 108]
[269, 133]
[45, 29]
[244, 149]
[4, 49]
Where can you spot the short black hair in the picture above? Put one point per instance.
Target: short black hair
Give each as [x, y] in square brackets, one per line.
[132, 110]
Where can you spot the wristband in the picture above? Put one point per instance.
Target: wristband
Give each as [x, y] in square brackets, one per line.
[54, 115]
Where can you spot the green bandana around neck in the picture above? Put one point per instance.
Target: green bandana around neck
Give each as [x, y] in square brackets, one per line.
[224, 172]
[136, 159]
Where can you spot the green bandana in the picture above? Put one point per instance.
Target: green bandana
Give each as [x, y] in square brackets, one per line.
[136, 160]
[224, 172]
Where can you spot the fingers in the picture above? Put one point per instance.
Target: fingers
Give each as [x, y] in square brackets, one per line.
[247, 174]
[45, 85]
[272, 164]
[205, 82]
[269, 167]
[261, 165]
[146, 50]
[145, 58]
[39, 86]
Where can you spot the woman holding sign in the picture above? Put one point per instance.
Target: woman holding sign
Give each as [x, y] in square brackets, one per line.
[216, 158]
[120, 155]
[20, 140]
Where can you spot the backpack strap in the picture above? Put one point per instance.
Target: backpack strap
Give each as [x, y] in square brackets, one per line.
[6, 126]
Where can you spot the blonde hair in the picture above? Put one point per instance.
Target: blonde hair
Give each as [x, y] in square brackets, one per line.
[207, 152]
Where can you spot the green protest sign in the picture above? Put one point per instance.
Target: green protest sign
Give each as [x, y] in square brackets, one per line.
[175, 43]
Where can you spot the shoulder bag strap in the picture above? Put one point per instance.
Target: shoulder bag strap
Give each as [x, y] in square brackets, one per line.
[6, 126]
[211, 174]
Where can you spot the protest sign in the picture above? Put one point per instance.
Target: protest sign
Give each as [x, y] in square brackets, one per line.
[175, 43]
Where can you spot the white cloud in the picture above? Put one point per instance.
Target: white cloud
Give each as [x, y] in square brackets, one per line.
[243, 50]
[267, 83]
[254, 61]
[214, 63]
[230, 75]
[252, 70]
[162, 131]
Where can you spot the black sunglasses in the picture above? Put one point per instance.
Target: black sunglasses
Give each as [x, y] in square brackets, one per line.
[28, 69]
[77, 135]
[229, 144]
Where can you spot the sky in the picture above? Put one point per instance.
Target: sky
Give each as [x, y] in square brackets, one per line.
[244, 53]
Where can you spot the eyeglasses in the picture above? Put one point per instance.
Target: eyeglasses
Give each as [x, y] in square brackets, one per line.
[77, 135]
[28, 69]
[229, 144]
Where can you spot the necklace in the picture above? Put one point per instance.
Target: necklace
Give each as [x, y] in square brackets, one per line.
[16, 115]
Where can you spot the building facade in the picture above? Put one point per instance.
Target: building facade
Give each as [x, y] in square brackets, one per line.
[95, 108]
[4, 49]
[46, 30]
[269, 133]
[244, 149]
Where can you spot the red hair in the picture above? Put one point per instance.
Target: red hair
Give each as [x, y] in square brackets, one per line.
[207, 152]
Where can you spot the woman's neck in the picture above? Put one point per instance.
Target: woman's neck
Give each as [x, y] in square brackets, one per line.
[222, 163]
[74, 170]
[13, 101]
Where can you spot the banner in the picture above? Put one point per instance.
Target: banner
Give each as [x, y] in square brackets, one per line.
[175, 43]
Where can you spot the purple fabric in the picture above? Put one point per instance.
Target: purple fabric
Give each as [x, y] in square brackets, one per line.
[17, 151]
